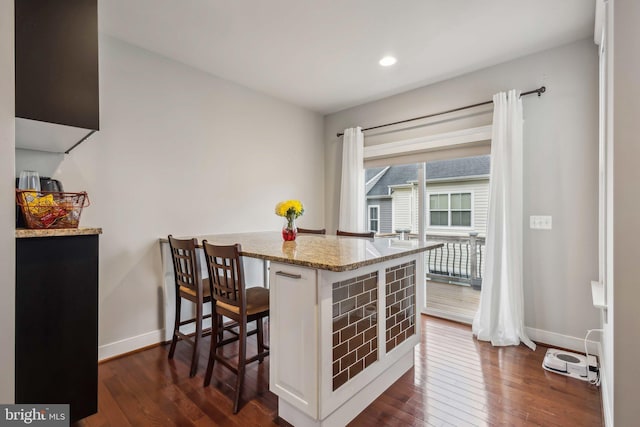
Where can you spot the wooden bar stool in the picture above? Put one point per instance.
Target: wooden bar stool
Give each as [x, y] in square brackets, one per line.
[191, 286]
[232, 299]
[312, 231]
[350, 234]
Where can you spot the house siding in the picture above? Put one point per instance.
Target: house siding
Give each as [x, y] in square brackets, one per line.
[480, 199]
[405, 206]
[385, 213]
[402, 200]
[386, 216]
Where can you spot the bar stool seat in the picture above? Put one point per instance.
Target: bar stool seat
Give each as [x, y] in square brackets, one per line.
[206, 290]
[257, 301]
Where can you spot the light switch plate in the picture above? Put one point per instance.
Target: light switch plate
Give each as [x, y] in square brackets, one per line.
[540, 222]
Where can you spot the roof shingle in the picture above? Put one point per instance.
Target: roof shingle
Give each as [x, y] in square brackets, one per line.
[439, 169]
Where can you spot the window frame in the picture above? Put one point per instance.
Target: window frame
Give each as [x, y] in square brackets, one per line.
[449, 211]
[376, 219]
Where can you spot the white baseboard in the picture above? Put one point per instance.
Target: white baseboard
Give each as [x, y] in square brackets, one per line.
[538, 335]
[154, 337]
[564, 341]
[130, 344]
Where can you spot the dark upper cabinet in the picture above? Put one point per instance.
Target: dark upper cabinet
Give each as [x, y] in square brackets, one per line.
[56, 58]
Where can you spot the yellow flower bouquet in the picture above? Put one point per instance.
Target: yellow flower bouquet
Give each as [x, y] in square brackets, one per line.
[289, 209]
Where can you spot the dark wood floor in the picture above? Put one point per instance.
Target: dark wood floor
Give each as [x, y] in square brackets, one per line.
[456, 381]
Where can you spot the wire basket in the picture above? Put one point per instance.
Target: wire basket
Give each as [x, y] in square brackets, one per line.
[51, 209]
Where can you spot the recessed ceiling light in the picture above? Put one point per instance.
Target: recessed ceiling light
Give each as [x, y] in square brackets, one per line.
[388, 61]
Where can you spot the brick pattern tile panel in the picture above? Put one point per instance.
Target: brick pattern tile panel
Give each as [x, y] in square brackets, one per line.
[355, 321]
[400, 292]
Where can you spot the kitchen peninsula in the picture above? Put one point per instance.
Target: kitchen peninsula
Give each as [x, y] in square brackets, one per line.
[343, 318]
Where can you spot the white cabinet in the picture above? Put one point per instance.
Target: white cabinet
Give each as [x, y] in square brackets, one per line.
[293, 317]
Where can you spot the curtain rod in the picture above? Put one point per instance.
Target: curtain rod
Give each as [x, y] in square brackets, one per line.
[539, 91]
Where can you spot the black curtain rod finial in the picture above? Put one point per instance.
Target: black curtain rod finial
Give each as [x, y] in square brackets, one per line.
[539, 91]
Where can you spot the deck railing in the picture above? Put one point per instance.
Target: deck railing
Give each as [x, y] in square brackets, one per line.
[460, 259]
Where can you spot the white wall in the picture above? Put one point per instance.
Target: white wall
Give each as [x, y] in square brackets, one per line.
[7, 204]
[626, 221]
[560, 172]
[180, 151]
[45, 163]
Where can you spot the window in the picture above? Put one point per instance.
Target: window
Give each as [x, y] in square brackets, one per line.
[461, 210]
[450, 210]
[439, 209]
[374, 218]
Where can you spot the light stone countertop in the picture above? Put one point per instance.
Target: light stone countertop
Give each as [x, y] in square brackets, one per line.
[324, 252]
[22, 233]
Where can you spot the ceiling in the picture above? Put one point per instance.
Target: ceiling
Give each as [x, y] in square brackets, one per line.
[323, 54]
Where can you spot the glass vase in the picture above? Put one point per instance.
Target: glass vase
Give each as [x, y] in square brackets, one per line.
[289, 230]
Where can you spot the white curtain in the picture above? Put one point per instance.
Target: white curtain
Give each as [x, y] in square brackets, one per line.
[352, 185]
[500, 317]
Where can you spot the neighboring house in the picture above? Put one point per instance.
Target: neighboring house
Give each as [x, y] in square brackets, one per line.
[457, 197]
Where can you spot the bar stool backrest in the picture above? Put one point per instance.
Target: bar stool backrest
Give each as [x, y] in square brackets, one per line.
[312, 231]
[350, 234]
[186, 264]
[226, 274]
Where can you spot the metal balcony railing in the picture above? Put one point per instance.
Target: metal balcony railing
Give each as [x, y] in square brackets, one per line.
[459, 260]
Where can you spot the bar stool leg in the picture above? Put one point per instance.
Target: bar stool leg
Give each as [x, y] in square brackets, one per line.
[242, 357]
[196, 341]
[216, 324]
[220, 328]
[260, 327]
[176, 326]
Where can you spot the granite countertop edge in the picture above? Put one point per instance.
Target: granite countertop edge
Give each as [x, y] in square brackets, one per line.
[334, 267]
[25, 233]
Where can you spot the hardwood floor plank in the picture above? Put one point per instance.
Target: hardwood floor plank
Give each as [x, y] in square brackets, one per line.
[138, 409]
[149, 387]
[456, 381]
[452, 299]
[108, 406]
